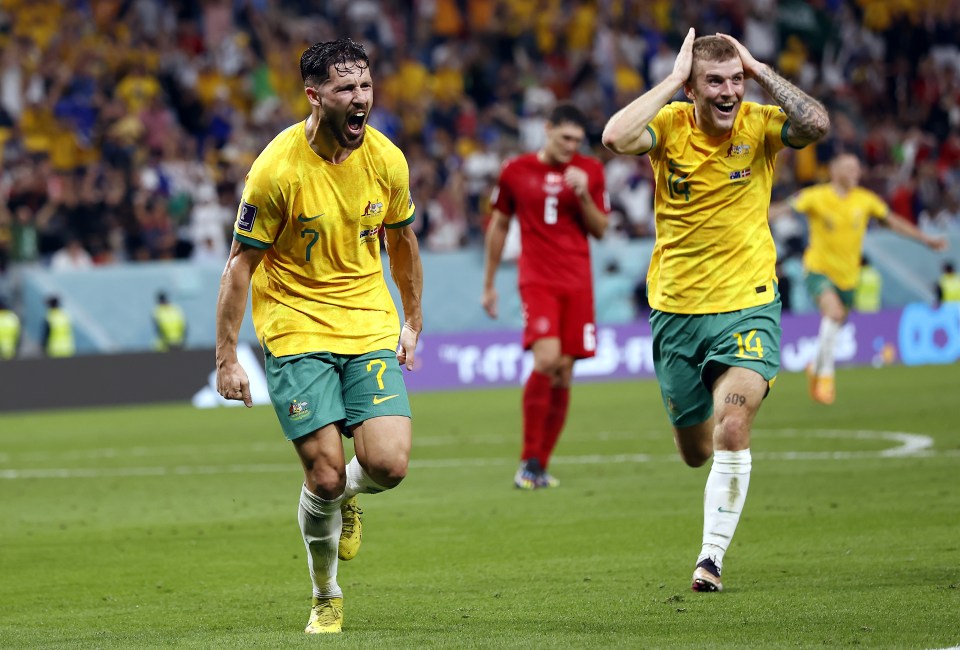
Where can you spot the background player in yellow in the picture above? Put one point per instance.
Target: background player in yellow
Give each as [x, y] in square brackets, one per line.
[838, 213]
[712, 282]
[307, 237]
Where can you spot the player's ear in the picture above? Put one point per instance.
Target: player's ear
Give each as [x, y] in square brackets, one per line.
[313, 94]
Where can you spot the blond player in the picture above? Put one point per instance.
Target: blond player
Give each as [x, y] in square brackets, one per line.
[712, 284]
[307, 236]
[838, 213]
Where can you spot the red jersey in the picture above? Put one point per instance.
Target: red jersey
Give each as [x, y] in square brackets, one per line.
[553, 238]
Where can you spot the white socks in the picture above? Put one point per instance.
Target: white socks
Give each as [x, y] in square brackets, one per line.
[826, 340]
[320, 523]
[723, 500]
[358, 482]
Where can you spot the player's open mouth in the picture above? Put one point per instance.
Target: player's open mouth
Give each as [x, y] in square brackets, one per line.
[356, 121]
[726, 108]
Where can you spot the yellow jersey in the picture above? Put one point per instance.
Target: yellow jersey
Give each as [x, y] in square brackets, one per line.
[837, 227]
[320, 287]
[714, 251]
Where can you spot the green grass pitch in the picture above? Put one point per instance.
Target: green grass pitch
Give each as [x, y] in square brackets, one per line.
[172, 527]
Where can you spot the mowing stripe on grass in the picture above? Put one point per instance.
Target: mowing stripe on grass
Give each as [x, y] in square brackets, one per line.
[910, 445]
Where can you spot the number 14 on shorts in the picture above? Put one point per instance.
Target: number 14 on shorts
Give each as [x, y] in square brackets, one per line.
[749, 345]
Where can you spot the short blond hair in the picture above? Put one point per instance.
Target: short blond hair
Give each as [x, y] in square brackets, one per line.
[713, 48]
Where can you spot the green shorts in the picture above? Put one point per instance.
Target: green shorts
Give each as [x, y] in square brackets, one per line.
[312, 390]
[691, 350]
[817, 283]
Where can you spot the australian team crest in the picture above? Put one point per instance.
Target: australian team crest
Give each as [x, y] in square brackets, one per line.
[372, 209]
[298, 410]
[370, 232]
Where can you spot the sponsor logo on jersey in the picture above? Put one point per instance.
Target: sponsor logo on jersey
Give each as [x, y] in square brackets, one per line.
[303, 219]
[248, 214]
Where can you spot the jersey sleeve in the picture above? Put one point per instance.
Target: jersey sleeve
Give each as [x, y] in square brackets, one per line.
[876, 207]
[262, 209]
[802, 201]
[776, 124]
[401, 210]
[657, 129]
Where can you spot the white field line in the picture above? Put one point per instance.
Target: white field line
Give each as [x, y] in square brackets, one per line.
[908, 445]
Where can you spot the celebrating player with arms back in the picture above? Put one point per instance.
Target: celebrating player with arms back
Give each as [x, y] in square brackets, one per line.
[712, 285]
[838, 213]
[307, 234]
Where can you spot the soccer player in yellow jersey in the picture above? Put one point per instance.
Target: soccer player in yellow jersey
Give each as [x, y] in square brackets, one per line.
[838, 213]
[307, 236]
[712, 284]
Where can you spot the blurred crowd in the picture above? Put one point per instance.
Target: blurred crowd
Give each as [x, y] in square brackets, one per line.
[126, 126]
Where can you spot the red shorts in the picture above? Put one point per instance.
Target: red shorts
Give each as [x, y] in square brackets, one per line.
[559, 313]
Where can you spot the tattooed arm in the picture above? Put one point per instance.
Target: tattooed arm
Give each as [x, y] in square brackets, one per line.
[808, 118]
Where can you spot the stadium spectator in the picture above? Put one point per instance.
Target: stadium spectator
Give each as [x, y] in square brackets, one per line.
[145, 75]
[170, 324]
[9, 331]
[57, 330]
[72, 257]
[838, 213]
[711, 283]
[321, 307]
[948, 285]
[559, 198]
[211, 216]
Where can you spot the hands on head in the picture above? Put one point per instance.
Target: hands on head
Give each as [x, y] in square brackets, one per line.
[683, 66]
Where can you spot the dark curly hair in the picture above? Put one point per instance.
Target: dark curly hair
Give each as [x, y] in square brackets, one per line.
[343, 54]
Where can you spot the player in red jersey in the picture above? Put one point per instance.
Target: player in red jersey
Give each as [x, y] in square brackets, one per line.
[559, 198]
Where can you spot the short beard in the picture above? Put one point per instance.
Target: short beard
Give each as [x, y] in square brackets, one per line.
[341, 137]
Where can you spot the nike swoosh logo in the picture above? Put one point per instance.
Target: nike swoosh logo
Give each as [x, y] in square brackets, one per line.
[378, 399]
[729, 512]
[303, 219]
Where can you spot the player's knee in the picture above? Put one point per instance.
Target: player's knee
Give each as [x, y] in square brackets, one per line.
[389, 474]
[832, 311]
[733, 430]
[326, 482]
[550, 366]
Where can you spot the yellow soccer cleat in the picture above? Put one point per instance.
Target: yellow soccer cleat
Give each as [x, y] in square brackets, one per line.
[352, 529]
[822, 388]
[826, 391]
[812, 382]
[326, 616]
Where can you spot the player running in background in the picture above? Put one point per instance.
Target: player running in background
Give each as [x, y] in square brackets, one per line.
[559, 198]
[307, 236]
[712, 285]
[838, 213]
